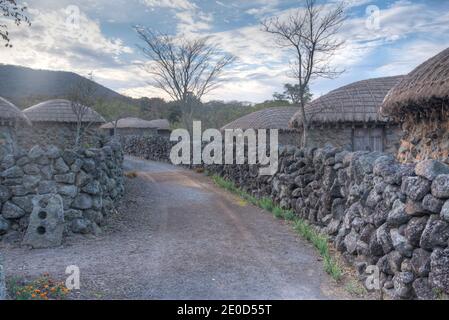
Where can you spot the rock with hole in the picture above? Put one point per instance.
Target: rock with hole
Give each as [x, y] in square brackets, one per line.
[46, 222]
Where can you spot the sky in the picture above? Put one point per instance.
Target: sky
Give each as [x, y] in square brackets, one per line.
[382, 38]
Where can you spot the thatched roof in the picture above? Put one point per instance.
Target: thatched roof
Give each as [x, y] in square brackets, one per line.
[130, 123]
[160, 124]
[425, 87]
[271, 118]
[358, 102]
[10, 112]
[59, 110]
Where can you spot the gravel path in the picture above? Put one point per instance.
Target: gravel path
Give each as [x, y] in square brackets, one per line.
[177, 236]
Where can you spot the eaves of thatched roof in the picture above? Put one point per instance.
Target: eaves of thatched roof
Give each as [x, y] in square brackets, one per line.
[358, 102]
[59, 110]
[270, 118]
[426, 87]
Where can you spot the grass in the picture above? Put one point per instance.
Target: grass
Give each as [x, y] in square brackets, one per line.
[355, 288]
[43, 288]
[302, 228]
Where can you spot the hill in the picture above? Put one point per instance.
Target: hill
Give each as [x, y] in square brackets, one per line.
[24, 86]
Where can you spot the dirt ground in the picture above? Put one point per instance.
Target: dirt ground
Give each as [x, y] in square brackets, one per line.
[177, 236]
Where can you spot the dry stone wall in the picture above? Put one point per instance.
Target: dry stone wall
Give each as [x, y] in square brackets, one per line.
[377, 211]
[75, 187]
[156, 148]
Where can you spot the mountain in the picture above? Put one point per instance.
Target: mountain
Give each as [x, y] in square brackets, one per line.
[25, 87]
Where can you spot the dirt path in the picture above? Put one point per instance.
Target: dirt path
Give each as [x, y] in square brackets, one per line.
[180, 237]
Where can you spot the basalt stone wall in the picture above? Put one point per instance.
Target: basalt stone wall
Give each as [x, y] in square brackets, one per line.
[155, 148]
[61, 135]
[377, 212]
[424, 139]
[89, 181]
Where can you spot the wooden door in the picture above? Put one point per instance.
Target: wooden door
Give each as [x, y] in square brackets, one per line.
[368, 139]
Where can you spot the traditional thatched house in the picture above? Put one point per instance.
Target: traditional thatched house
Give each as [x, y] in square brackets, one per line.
[162, 125]
[271, 118]
[421, 103]
[348, 117]
[10, 117]
[135, 126]
[130, 127]
[55, 122]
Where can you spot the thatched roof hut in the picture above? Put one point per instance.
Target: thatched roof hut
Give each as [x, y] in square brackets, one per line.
[357, 102]
[56, 123]
[424, 88]
[160, 124]
[137, 126]
[348, 117]
[10, 113]
[130, 123]
[270, 118]
[59, 110]
[421, 103]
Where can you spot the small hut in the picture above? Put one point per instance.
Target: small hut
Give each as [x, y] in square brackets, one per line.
[271, 118]
[348, 117]
[55, 122]
[420, 102]
[162, 125]
[10, 117]
[135, 126]
[130, 127]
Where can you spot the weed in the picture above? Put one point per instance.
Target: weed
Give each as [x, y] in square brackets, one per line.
[355, 288]
[266, 204]
[278, 212]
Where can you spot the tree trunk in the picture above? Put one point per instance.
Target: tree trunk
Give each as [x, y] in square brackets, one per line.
[305, 126]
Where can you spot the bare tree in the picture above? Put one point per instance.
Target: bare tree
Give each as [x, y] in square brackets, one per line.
[81, 96]
[186, 69]
[312, 35]
[11, 10]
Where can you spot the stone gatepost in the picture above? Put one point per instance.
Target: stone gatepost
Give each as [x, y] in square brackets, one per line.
[46, 222]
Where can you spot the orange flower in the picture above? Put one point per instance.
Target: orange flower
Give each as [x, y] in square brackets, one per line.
[33, 296]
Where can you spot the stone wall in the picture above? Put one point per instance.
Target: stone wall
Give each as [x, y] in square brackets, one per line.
[425, 139]
[377, 211]
[88, 182]
[7, 140]
[156, 148]
[61, 135]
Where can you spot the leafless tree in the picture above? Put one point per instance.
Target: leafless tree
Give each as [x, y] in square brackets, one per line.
[81, 96]
[186, 69]
[10, 9]
[311, 33]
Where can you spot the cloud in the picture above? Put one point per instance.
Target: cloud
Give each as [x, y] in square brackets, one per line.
[172, 4]
[52, 42]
